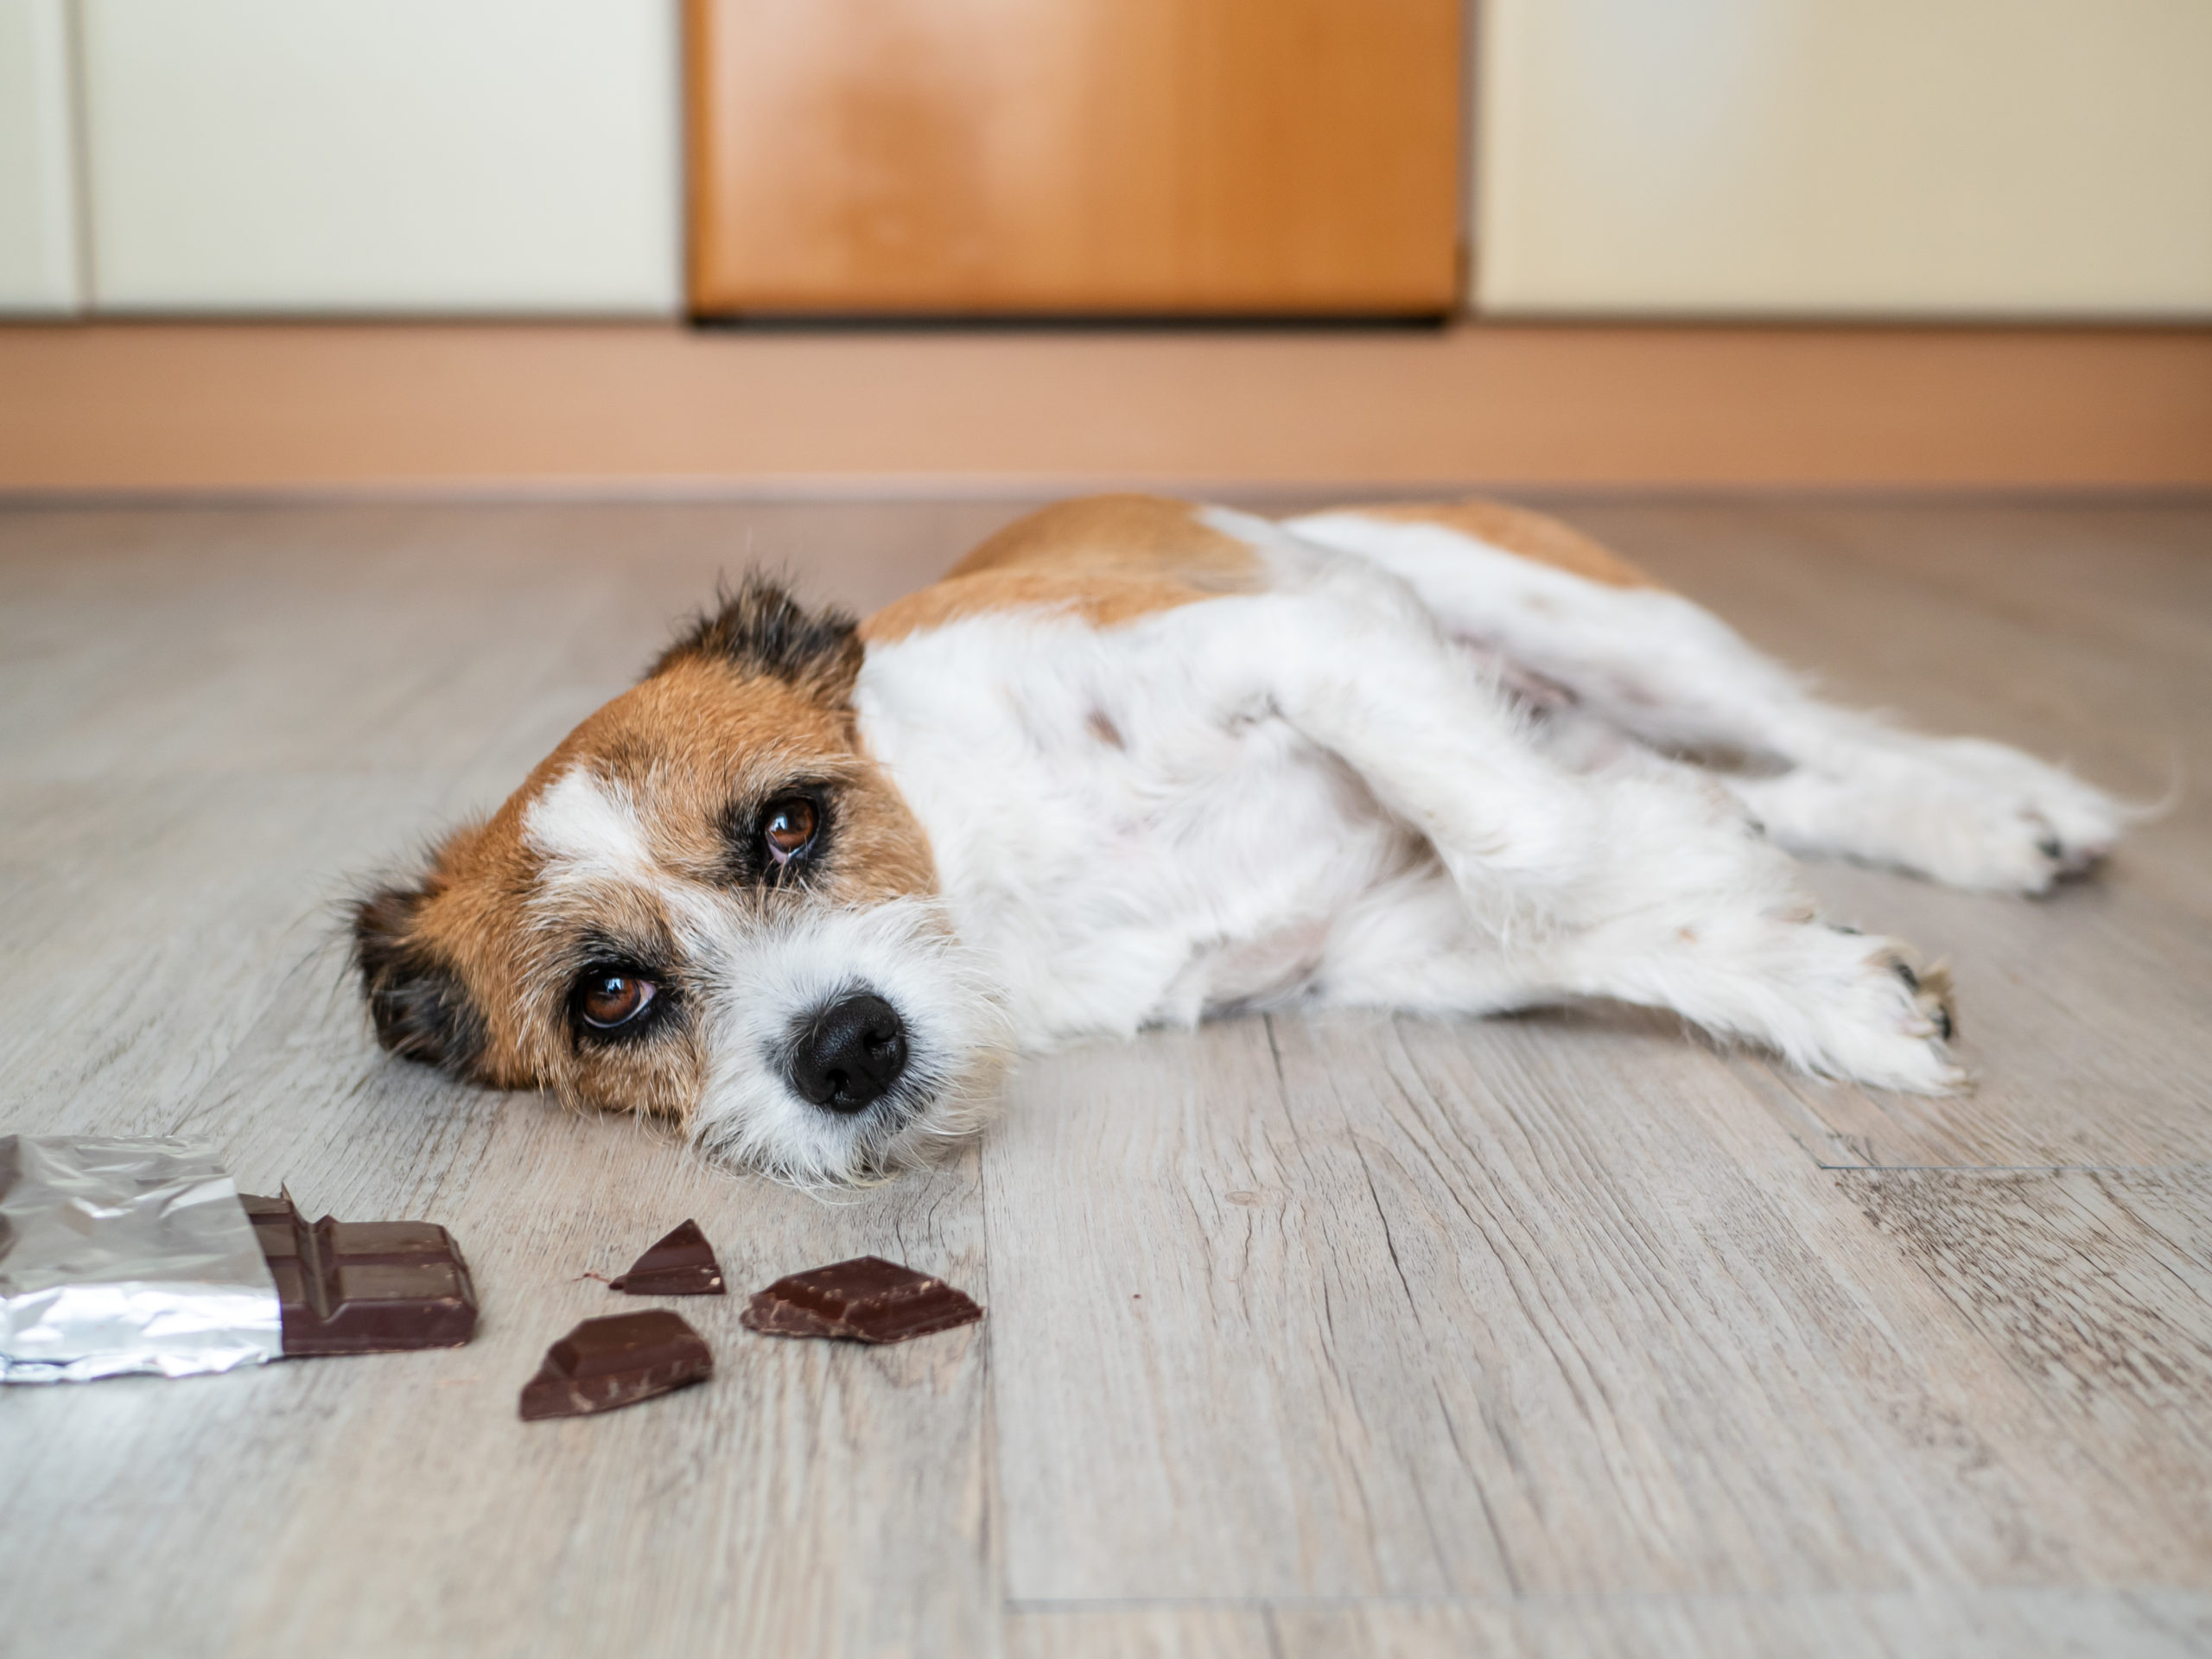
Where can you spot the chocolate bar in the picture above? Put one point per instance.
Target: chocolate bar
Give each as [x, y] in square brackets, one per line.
[604, 1365]
[865, 1300]
[683, 1264]
[363, 1287]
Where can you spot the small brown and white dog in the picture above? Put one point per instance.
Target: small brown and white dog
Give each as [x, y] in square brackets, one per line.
[807, 885]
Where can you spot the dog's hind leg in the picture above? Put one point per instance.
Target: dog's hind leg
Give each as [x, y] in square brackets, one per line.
[1829, 1001]
[1638, 879]
[1648, 663]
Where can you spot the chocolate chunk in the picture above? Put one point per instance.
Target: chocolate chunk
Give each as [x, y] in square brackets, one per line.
[683, 1264]
[865, 1300]
[364, 1287]
[606, 1364]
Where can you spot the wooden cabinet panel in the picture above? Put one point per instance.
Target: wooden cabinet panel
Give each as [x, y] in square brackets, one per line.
[1074, 156]
[1976, 158]
[38, 207]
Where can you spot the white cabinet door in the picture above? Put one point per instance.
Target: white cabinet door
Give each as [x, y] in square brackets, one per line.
[1989, 158]
[384, 155]
[38, 189]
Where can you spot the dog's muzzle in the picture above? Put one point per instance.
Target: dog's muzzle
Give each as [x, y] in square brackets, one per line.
[846, 1054]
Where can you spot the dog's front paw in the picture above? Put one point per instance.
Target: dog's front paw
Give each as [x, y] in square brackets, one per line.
[1882, 1021]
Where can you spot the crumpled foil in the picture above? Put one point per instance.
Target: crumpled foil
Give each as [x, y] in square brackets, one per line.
[127, 1256]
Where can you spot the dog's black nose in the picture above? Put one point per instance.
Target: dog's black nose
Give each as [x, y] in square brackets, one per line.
[845, 1055]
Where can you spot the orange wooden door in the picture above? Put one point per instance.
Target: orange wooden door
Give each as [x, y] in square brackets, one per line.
[1011, 156]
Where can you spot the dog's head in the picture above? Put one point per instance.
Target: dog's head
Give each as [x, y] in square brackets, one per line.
[707, 904]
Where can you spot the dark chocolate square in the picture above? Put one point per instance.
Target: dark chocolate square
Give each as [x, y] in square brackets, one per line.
[605, 1364]
[865, 1300]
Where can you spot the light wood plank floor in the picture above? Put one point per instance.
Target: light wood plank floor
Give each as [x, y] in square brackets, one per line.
[1561, 1335]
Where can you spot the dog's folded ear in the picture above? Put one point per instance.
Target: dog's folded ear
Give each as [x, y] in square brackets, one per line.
[757, 627]
[421, 1007]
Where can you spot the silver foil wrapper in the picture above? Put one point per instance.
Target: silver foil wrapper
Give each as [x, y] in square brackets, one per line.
[127, 1256]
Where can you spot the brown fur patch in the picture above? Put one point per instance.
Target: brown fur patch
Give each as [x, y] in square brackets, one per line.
[1108, 558]
[1528, 535]
[704, 738]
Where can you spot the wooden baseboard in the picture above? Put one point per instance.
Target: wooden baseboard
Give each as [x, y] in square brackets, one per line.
[248, 407]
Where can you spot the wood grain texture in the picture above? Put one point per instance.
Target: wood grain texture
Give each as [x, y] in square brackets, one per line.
[578, 412]
[2097, 1289]
[808, 1499]
[1171, 1632]
[1542, 1337]
[1106, 155]
[1954, 1624]
[1522, 1216]
[208, 763]
[1986, 1624]
[1989, 621]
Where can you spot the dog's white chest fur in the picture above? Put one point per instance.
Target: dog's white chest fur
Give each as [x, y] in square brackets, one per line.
[1128, 843]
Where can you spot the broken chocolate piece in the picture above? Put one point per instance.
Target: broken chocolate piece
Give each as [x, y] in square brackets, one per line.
[604, 1365]
[683, 1264]
[865, 1300]
[363, 1287]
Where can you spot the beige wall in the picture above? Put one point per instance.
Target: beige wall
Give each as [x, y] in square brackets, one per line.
[382, 156]
[1841, 157]
[38, 225]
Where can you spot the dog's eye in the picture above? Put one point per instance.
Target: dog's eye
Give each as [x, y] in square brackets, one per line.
[787, 828]
[777, 840]
[607, 1000]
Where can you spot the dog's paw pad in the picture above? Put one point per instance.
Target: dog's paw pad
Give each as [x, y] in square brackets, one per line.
[1888, 1021]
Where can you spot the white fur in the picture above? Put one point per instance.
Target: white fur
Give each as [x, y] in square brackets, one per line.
[1657, 667]
[1314, 796]
[586, 828]
[1418, 772]
[766, 976]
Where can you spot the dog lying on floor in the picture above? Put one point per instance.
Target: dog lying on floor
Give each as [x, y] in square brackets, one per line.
[1134, 761]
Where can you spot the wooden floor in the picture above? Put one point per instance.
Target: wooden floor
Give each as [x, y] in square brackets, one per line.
[1561, 1335]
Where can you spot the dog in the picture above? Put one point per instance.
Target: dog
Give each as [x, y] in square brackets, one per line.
[810, 884]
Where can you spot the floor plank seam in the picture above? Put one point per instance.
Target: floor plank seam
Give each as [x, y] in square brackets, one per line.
[1562, 1601]
[2017, 1169]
